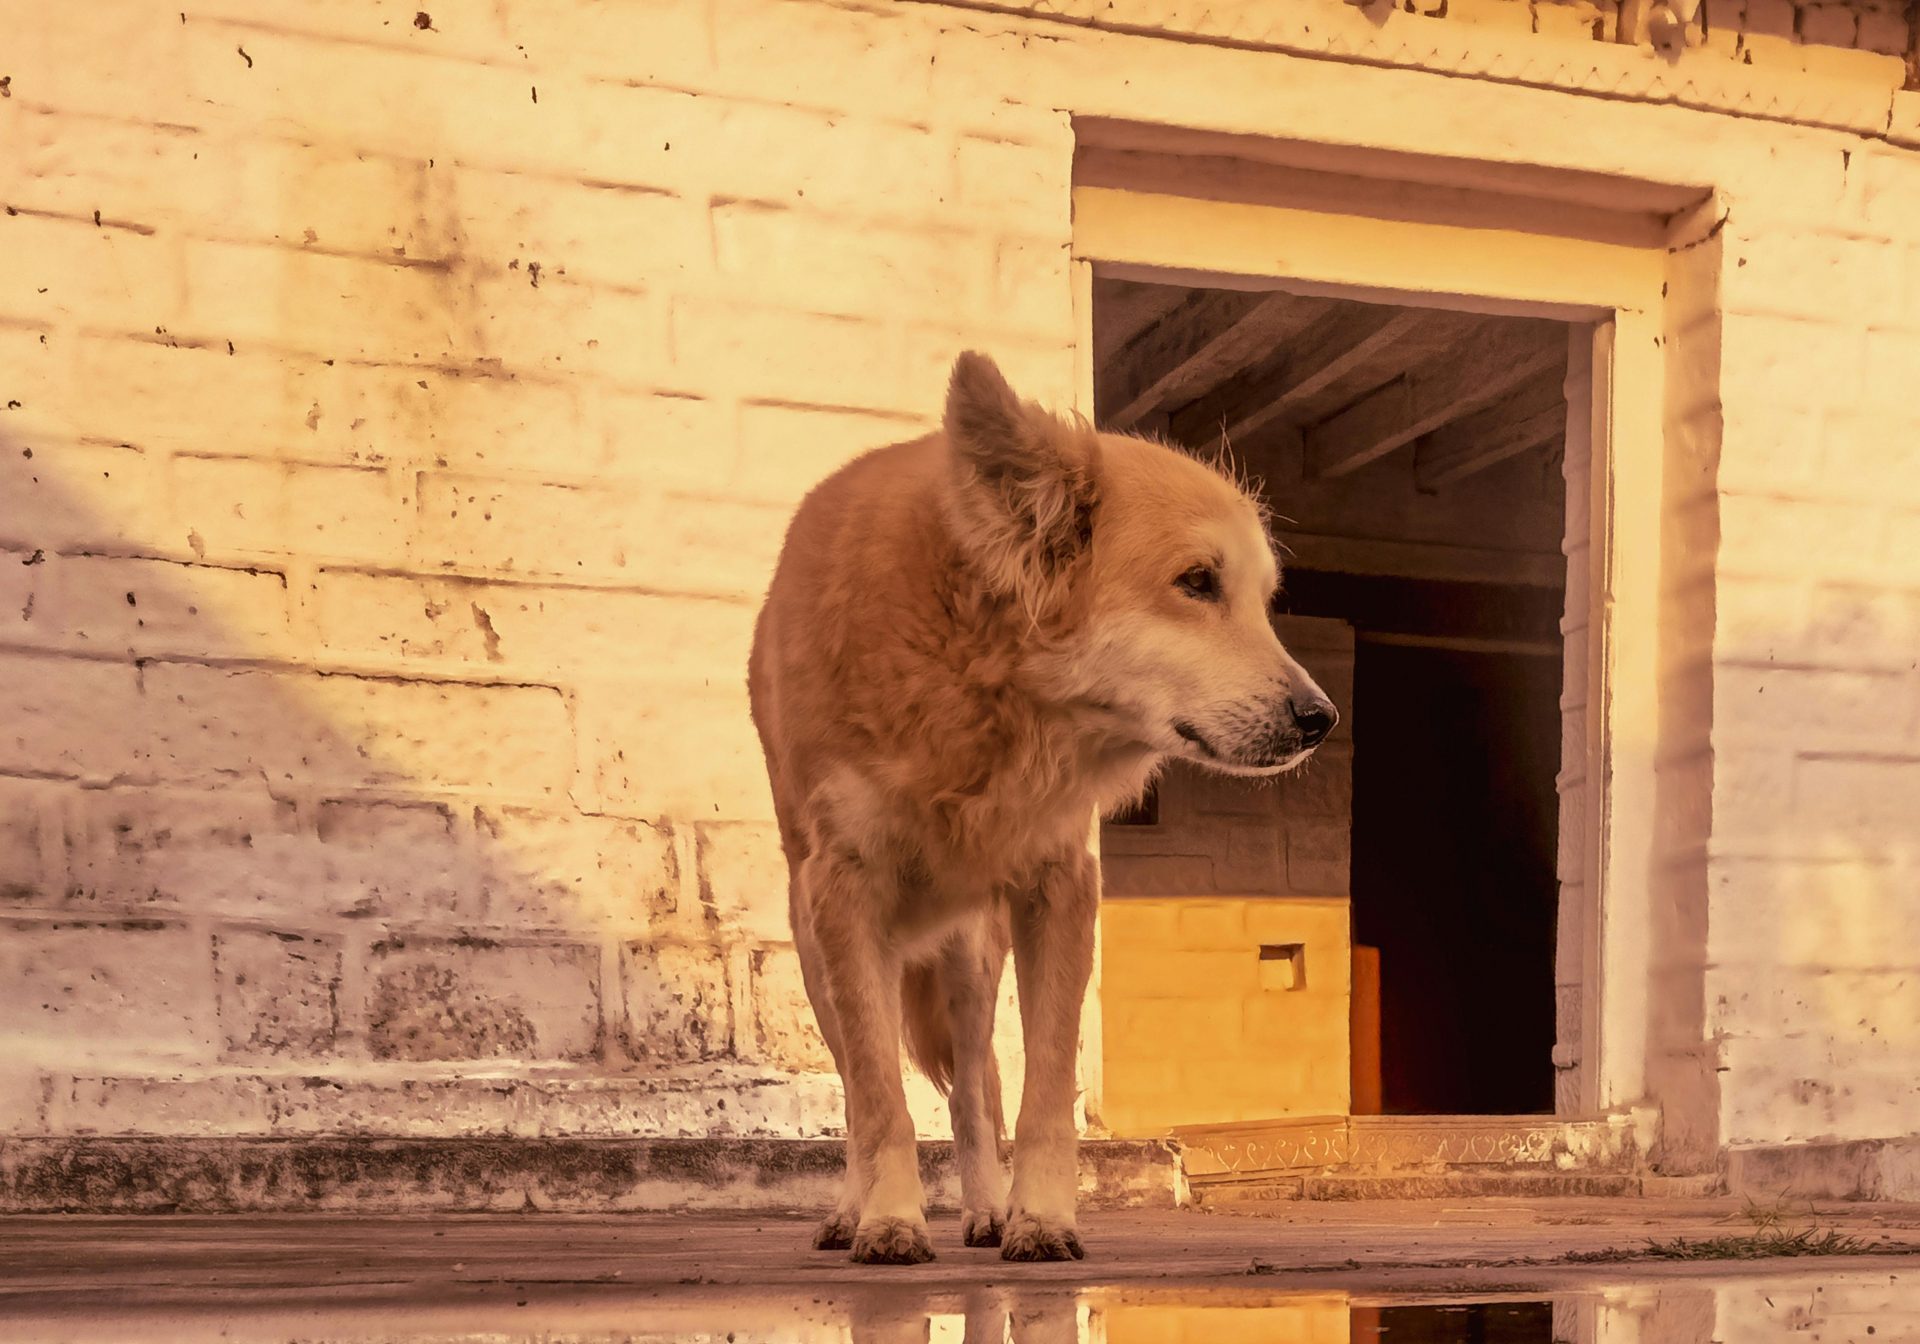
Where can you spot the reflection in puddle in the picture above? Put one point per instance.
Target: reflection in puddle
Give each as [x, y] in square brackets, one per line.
[1856, 1304]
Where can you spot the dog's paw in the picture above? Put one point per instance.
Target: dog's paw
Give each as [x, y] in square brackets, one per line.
[835, 1232]
[891, 1241]
[982, 1227]
[1030, 1238]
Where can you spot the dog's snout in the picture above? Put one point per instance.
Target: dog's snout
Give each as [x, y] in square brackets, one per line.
[1314, 718]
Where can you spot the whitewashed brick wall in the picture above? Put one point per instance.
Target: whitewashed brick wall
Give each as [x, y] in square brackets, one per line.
[400, 423]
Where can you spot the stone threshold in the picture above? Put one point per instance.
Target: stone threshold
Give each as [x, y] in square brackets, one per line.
[339, 1173]
[1369, 1147]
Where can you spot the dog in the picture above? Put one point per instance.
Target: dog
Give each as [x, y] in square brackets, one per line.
[973, 644]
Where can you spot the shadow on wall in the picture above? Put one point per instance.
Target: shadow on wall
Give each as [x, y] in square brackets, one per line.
[308, 849]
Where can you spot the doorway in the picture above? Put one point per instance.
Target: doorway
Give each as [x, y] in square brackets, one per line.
[1414, 456]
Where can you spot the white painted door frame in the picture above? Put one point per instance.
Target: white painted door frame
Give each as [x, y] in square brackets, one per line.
[1613, 286]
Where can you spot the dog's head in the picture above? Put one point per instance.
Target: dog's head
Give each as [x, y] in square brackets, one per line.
[1151, 573]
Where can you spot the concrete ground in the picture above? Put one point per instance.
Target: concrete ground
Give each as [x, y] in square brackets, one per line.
[88, 1268]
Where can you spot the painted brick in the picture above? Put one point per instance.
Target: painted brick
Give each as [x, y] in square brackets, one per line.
[527, 527]
[743, 879]
[827, 264]
[785, 451]
[1864, 800]
[349, 512]
[562, 870]
[1811, 708]
[408, 861]
[74, 165]
[1032, 287]
[1019, 185]
[644, 43]
[126, 1103]
[561, 328]
[91, 62]
[277, 993]
[109, 277]
[1786, 361]
[28, 865]
[73, 989]
[331, 199]
[1853, 625]
[329, 1103]
[694, 754]
[832, 59]
[76, 494]
[268, 402]
[804, 1103]
[1772, 537]
[1864, 455]
[354, 732]
[777, 355]
[473, 998]
[1771, 449]
[225, 850]
[69, 716]
[24, 586]
[231, 504]
[785, 1033]
[1318, 858]
[526, 626]
[1794, 275]
[678, 1009]
[104, 604]
[1157, 874]
[667, 438]
[349, 307]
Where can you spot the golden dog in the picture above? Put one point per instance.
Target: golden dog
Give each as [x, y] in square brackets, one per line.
[972, 644]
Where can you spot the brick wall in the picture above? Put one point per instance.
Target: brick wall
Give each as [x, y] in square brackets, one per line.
[1219, 836]
[401, 414]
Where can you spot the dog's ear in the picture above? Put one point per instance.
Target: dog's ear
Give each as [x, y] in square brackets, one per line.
[1024, 485]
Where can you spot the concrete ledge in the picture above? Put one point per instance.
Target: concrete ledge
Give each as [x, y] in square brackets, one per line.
[471, 1175]
[1841, 1169]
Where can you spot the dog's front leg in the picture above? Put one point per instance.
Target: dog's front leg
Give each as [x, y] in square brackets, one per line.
[1053, 929]
[850, 903]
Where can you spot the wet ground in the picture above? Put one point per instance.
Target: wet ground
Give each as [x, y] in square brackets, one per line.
[1492, 1270]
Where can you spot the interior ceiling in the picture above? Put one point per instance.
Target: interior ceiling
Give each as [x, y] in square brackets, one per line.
[1350, 386]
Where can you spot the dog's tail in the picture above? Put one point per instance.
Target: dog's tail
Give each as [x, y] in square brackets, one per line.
[928, 1029]
[926, 1025]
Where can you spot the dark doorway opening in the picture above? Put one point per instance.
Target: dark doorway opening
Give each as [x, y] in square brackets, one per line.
[1454, 824]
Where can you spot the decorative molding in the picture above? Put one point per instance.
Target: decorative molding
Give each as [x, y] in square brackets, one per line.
[1698, 79]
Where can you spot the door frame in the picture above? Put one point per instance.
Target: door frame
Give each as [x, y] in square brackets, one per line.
[1364, 244]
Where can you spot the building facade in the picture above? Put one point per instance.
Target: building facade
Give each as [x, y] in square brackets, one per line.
[403, 410]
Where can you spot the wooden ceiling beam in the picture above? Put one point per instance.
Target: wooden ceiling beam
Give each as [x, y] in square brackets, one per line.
[1533, 417]
[1344, 343]
[1501, 355]
[1198, 345]
[1425, 560]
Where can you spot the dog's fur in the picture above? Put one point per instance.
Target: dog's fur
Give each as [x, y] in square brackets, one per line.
[973, 643]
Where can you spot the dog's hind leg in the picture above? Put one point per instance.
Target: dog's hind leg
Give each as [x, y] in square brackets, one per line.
[847, 902]
[835, 1232]
[969, 975]
[1053, 928]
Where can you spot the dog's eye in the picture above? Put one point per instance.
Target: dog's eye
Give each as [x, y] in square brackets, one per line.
[1199, 582]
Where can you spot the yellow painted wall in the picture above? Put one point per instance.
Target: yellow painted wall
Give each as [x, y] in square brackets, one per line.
[1198, 1029]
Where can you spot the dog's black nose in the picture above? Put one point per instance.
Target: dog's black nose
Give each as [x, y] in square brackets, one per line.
[1314, 719]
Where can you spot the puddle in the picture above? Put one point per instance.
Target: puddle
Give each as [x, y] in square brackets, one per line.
[1876, 1305]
